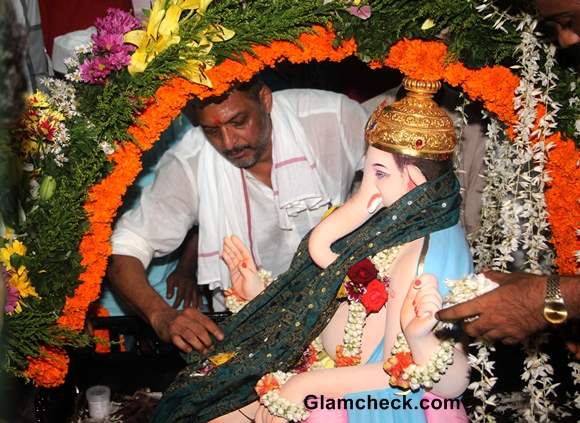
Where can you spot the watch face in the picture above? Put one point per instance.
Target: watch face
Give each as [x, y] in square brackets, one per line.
[555, 312]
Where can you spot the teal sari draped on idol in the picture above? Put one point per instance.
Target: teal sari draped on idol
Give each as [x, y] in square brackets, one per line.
[273, 330]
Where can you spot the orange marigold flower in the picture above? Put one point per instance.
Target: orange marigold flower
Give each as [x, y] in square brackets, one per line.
[49, 368]
[343, 360]
[266, 384]
[417, 59]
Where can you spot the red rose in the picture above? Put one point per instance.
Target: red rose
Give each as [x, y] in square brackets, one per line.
[363, 272]
[375, 297]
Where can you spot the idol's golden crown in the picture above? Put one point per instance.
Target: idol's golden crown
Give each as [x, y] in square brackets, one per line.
[415, 125]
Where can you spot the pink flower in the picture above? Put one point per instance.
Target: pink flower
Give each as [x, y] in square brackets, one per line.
[117, 21]
[95, 70]
[11, 299]
[363, 12]
[108, 43]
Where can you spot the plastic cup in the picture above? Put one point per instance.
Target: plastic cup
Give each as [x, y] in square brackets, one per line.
[99, 399]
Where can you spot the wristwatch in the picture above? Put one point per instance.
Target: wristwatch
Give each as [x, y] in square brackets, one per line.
[554, 308]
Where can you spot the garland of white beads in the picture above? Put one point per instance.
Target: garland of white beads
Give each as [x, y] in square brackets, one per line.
[353, 331]
[234, 303]
[430, 372]
[280, 406]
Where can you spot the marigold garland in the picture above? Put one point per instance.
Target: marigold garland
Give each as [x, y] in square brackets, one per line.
[49, 368]
[415, 58]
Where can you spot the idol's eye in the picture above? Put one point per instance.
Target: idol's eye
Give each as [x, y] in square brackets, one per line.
[380, 174]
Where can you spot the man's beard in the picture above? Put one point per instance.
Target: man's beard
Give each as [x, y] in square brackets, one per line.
[569, 57]
[256, 153]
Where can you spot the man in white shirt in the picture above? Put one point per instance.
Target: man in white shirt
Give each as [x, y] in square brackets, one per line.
[261, 166]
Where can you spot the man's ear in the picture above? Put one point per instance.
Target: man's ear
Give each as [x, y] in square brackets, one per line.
[415, 175]
[266, 98]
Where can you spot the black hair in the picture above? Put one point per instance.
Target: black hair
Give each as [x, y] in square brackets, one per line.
[431, 169]
[250, 88]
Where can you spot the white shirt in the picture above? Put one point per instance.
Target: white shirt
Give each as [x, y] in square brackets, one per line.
[334, 128]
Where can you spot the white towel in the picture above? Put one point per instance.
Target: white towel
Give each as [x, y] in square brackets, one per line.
[224, 200]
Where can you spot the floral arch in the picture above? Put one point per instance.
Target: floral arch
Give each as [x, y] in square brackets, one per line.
[109, 116]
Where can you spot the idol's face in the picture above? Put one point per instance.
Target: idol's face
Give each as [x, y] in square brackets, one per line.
[391, 181]
[239, 127]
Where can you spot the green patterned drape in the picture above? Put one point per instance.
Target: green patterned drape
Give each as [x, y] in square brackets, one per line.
[274, 329]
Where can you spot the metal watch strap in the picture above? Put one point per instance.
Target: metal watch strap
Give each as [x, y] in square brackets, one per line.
[553, 288]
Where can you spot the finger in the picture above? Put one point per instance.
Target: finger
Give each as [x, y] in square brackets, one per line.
[494, 335]
[500, 278]
[412, 292]
[179, 296]
[188, 293]
[477, 328]
[509, 340]
[460, 311]
[208, 324]
[429, 296]
[181, 344]
[197, 336]
[245, 252]
[427, 309]
[170, 287]
[234, 248]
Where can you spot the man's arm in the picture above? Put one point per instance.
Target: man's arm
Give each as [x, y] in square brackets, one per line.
[186, 329]
[182, 279]
[513, 311]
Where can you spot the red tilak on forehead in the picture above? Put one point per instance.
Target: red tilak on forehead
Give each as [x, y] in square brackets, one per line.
[216, 121]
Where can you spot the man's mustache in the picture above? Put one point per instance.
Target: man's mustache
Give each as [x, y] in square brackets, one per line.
[237, 149]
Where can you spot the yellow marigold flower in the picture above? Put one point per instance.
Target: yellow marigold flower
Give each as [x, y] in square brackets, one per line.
[20, 281]
[38, 100]
[15, 247]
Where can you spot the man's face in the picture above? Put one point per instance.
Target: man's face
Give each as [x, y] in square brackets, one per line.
[239, 127]
[565, 15]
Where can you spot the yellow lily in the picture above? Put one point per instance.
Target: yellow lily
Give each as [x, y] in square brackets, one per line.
[195, 69]
[162, 32]
[428, 24]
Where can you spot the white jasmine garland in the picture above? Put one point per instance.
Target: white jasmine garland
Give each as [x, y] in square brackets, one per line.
[280, 406]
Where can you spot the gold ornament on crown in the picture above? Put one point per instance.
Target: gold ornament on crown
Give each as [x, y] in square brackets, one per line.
[415, 125]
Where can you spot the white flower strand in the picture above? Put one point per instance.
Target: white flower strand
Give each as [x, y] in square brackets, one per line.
[353, 331]
[429, 373]
[482, 388]
[540, 387]
[280, 406]
[534, 88]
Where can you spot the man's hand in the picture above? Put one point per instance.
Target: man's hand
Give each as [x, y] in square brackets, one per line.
[187, 290]
[509, 313]
[188, 329]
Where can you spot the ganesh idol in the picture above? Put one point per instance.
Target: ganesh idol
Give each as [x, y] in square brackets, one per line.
[353, 318]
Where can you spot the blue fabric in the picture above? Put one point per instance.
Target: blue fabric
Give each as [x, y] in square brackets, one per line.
[448, 257]
[160, 268]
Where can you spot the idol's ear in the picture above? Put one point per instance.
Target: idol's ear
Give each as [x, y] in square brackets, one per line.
[346, 219]
[415, 175]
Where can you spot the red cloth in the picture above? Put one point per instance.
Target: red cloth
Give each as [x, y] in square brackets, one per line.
[61, 16]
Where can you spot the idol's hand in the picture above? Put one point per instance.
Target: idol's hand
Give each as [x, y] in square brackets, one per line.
[294, 390]
[246, 282]
[264, 416]
[418, 312]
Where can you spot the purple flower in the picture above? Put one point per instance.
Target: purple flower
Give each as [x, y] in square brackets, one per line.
[117, 21]
[95, 70]
[363, 12]
[118, 61]
[11, 299]
[108, 43]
